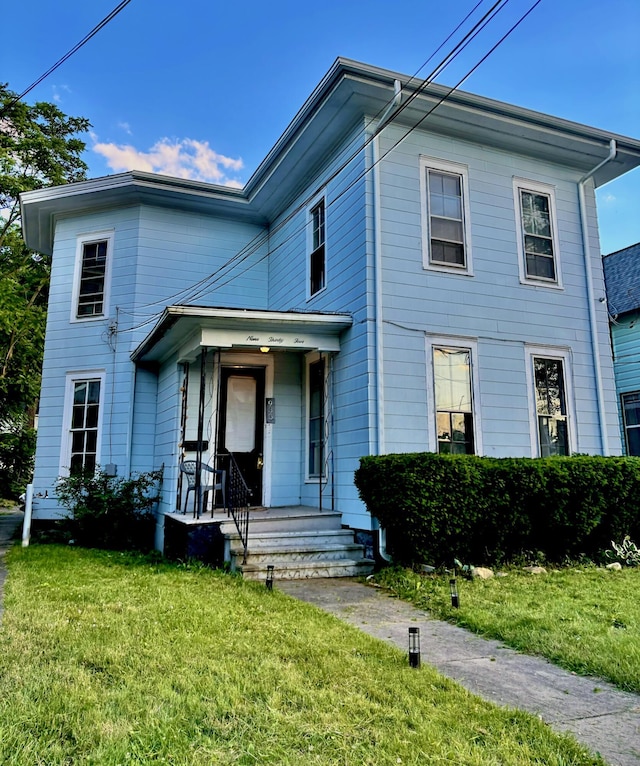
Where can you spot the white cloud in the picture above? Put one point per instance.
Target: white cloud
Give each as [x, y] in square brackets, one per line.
[186, 158]
[57, 95]
[126, 127]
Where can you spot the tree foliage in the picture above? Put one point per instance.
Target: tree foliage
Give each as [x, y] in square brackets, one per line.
[39, 147]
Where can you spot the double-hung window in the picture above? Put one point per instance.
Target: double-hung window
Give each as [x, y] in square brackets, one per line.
[445, 217]
[82, 418]
[317, 254]
[551, 406]
[631, 420]
[315, 425]
[91, 286]
[537, 240]
[453, 400]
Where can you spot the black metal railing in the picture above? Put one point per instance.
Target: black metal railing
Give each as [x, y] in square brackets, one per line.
[238, 500]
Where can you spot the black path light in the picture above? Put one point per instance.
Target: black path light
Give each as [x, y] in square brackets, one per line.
[414, 647]
[453, 589]
[269, 581]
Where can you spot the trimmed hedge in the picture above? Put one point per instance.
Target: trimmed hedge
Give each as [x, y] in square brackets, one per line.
[490, 510]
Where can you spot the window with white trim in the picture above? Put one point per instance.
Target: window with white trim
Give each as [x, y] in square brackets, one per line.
[315, 419]
[91, 284]
[453, 400]
[631, 421]
[317, 254]
[446, 231]
[551, 406]
[537, 239]
[82, 422]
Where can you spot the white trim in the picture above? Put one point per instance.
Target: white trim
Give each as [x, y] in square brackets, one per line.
[564, 355]
[548, 190]
[321, 197]
[309, 359]
[85, 239]
[466, 344]
[455, 168]
[65, 443]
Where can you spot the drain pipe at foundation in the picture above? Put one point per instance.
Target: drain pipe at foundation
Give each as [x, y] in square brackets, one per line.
[379, 371]
[590, 296]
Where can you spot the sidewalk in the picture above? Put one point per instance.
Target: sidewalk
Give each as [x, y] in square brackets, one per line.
[600, 716]
[9, 523]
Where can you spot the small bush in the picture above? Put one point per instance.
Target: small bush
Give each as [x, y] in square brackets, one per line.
[108, 511]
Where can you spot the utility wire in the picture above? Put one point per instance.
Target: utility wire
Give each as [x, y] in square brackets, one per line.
[67, 55]
[213, 280]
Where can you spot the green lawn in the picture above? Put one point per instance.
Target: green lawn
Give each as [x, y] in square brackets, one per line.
[111, 659]
[585, 619]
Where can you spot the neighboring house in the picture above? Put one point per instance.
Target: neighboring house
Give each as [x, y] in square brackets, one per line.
[622, 279]
[399, 274]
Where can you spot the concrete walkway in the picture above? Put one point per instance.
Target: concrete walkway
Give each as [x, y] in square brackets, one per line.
[600, 716]
[9, 523]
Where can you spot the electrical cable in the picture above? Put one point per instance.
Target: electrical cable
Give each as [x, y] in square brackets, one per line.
[67, 55]
[213, 280]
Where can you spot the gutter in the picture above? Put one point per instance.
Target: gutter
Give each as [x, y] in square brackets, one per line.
[590, 296]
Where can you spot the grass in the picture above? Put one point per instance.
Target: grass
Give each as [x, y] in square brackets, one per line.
[584, 619]
[108, 658]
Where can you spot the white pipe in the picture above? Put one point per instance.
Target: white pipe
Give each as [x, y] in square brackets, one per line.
[590, 296]
[28, 508]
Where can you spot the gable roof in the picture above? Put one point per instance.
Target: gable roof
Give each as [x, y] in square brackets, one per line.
[622, 279]
[348, 95]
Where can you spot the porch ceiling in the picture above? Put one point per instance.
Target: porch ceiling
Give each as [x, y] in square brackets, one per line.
[183, 330]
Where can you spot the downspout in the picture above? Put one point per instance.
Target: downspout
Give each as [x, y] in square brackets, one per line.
[379, 372]
[590, 296]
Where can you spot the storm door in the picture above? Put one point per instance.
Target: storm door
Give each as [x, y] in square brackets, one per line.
[241, 423]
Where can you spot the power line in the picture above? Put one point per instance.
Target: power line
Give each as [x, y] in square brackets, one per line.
[67, 55]
[213, 281]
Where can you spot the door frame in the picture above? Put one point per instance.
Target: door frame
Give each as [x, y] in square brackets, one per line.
[248, 360]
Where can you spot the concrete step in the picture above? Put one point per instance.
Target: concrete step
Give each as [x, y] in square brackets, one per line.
[258, 540]
[304, 570]
[278, 555]
[287, 522]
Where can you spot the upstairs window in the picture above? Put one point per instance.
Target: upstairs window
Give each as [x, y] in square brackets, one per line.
[631, 420]
[445, 216]
[317, 258]
[454, 410]
[92, 279]
[551, 406]
[537, 241]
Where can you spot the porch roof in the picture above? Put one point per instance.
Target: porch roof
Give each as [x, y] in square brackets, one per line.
[184, 330]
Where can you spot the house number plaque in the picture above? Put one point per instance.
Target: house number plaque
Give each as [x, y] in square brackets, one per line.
[270, 410]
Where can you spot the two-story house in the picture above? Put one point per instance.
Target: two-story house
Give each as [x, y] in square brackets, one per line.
[408, 269]
[622, 280]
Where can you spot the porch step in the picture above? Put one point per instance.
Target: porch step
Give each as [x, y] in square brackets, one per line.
[299, 543]
[304, 570]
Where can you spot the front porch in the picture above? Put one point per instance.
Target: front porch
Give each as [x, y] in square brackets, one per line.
[298, 541]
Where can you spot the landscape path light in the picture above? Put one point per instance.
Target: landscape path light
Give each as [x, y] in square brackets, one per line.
[269, 581]
[453, 589]
[414, 647]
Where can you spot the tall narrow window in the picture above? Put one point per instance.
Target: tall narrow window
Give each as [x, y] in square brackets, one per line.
[85, 412]
[454, 410]
[446, 218]
[316, 419]
[551, 406]
[91, 289]
[631, 419]
[537, 235]
[317, 257]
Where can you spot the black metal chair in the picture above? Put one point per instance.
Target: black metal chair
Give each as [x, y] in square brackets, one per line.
[211, 480]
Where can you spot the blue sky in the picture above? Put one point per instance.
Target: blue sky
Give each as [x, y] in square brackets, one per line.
[204, 89]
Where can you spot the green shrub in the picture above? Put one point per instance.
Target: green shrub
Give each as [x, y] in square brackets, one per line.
[489, 510]
[17, 447]
[110, 511]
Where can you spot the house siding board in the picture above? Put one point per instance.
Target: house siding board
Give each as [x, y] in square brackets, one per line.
[167, 432]
[496, 305]
[287, 446]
